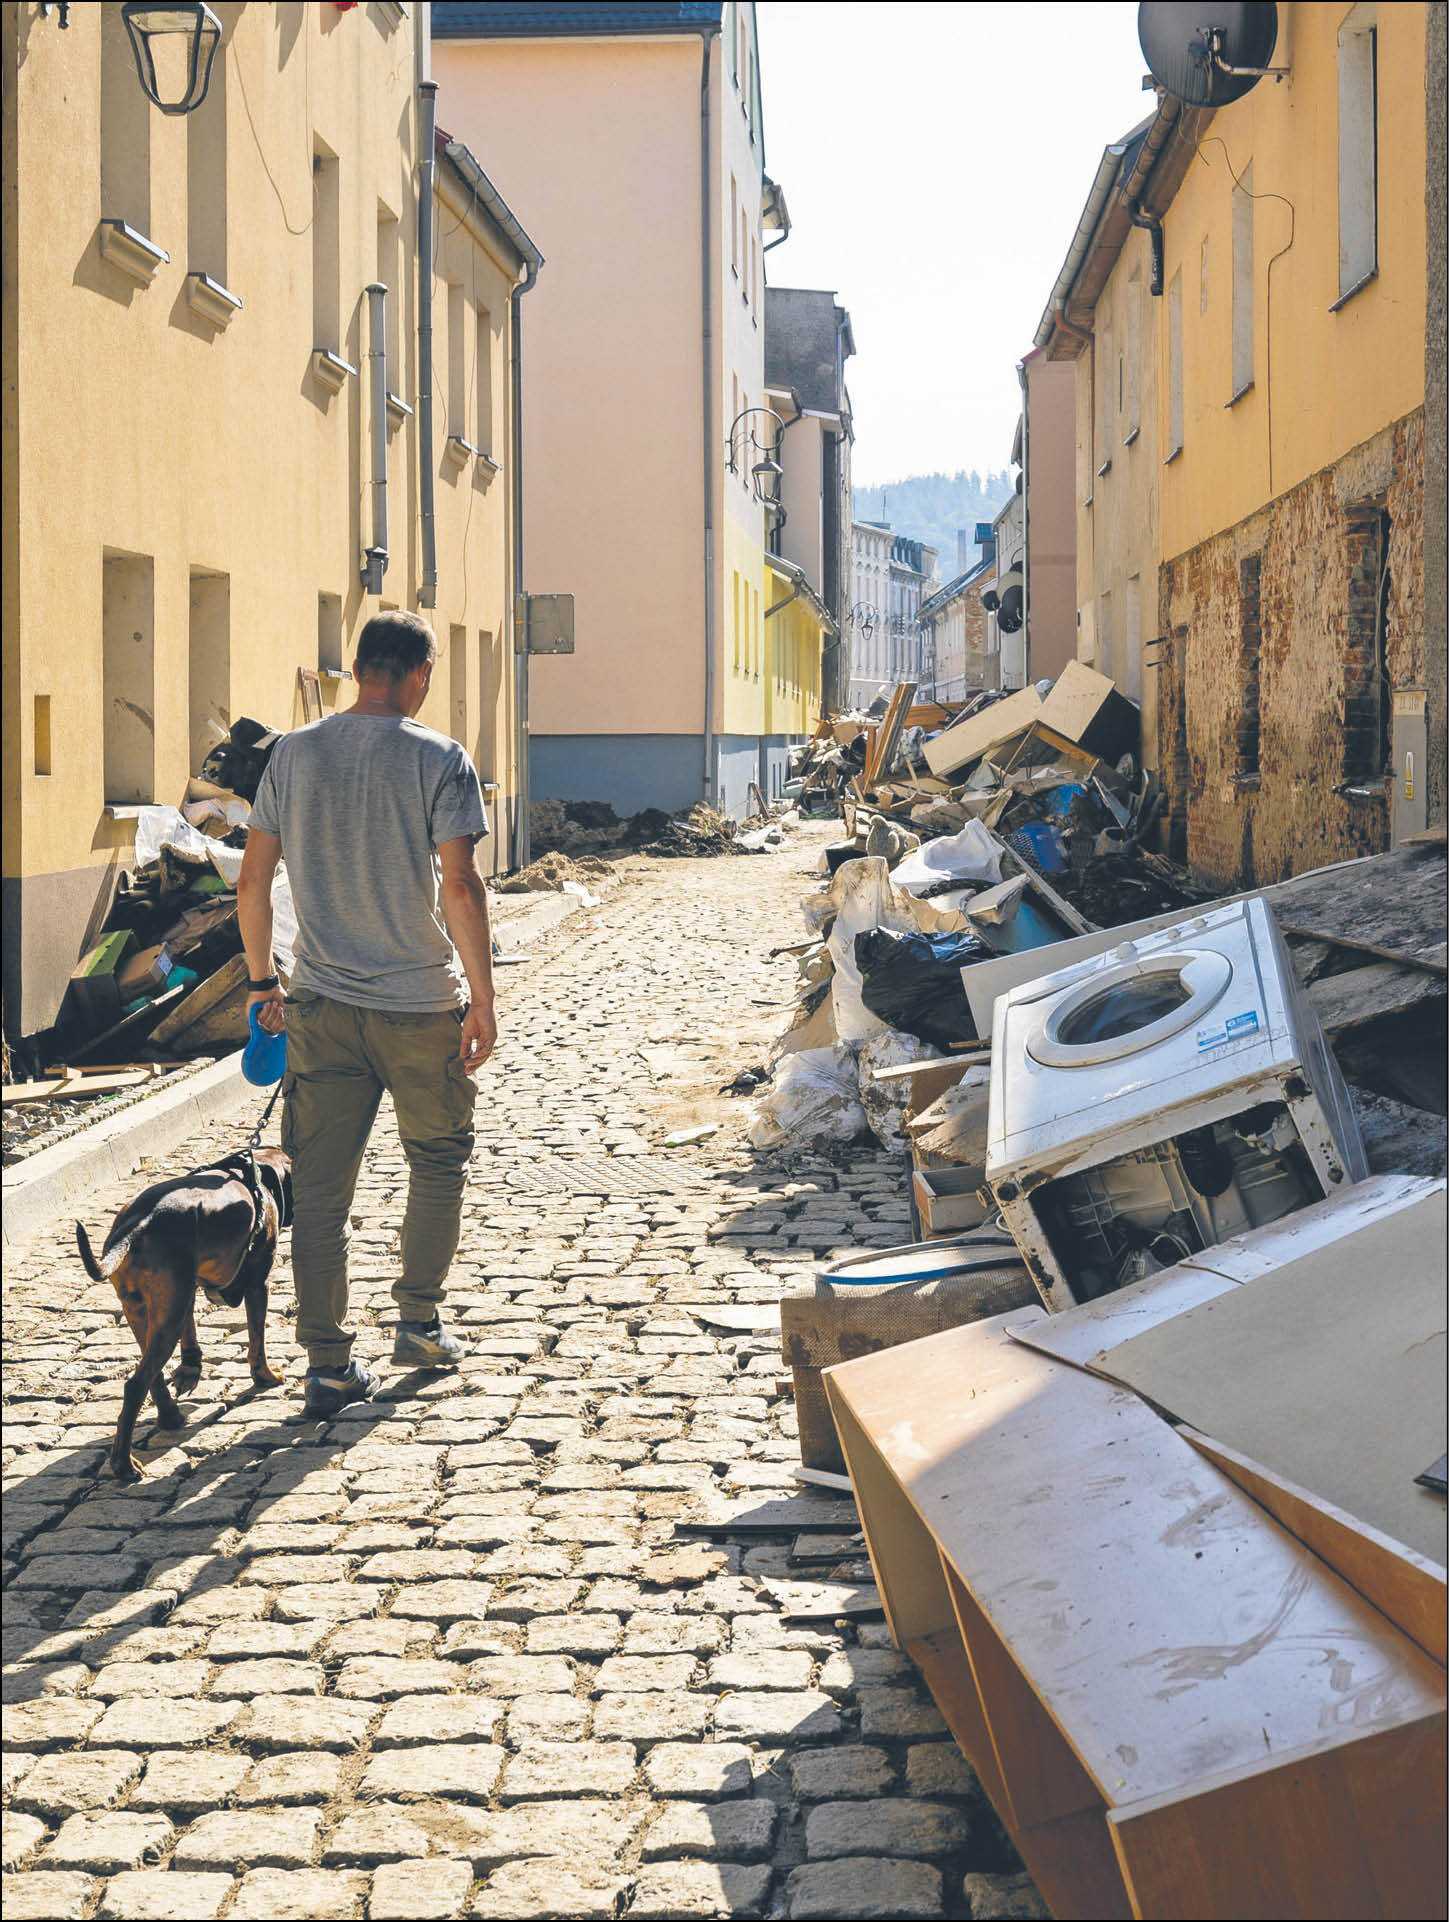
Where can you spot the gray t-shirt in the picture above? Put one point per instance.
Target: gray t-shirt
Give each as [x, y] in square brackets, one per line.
[361, 803]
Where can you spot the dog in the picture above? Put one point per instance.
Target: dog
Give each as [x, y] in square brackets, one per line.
[216, 1228]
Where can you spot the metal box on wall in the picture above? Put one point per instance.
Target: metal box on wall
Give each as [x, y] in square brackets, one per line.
[1408, 796]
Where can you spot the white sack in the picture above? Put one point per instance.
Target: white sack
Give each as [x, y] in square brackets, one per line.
[885, 1101]
[163, 827]
[814, 1098]
[972, 855]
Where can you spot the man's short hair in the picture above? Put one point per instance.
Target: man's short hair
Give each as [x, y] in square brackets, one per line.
[395, 644]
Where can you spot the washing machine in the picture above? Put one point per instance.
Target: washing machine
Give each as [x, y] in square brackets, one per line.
[1151, 1101]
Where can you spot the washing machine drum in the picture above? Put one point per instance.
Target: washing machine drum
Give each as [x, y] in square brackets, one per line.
[1130, 1007]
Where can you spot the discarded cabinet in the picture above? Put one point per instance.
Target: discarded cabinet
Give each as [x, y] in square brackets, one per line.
[1144, 1669]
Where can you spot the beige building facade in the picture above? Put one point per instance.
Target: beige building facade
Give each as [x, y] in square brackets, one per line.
[189, 484]
[639, 146]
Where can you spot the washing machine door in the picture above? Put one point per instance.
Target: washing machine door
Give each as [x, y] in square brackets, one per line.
[1128, 1008]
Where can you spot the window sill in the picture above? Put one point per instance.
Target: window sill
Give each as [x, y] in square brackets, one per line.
[484, 468]
[331, 370]
[1105, 468]
[397, 409]
[137, 257]
[335, 673]
[1358, 286]
[1129, 438]
[1247, 783]
[1176, 454]
[457, 452]
[1246, 388]
[1370, 792]
[211, 300]
[123, 810]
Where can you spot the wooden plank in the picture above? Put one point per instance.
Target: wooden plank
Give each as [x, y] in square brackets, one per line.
[1144, 1595]
[966, 742]
[1408, 1588]
[75, 1087]
[204, 998]
[884, 738]
[1333, 1381]
[1352, 1829]
[1085, 1335]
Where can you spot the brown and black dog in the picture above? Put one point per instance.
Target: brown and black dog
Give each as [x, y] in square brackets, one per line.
[213, 1228]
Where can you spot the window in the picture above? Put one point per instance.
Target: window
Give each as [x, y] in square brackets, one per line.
[1174, 366]
[329, 634]
[389, 272]
[206, 179]
[1368, 701]
[457, 364]
[755, 273]
[42, 734]
[734, 226]
[125, 130]
[1243, 283]
[490, 696]
[208, 661]
[483, 432]
[1250, 662]
[458, 684]
[1358, 159]
[128, 675]
[1131, 397]
[326, 261]
[745, 249]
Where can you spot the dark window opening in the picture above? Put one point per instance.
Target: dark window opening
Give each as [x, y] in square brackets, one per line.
[1368, 706]
[1250, 617]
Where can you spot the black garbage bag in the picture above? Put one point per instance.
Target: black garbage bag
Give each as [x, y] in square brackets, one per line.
[240, 761]
[913, 982]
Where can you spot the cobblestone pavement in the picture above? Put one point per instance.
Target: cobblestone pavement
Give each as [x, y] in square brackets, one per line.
[454, 1653]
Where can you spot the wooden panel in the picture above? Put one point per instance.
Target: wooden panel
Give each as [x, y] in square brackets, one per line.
[1087, 1333]
[1143, 1593]
[1330, 1371]
[968, 740]
[1352, 1830]
[902, 1553]
[1408, 1588]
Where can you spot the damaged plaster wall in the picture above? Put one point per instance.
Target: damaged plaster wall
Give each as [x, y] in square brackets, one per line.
[1434, 412]
[1269, 693]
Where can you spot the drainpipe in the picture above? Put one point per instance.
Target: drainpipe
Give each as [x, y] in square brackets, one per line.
[1025, 524]
[427, 114]
[706, 296]
[523, 845]
[375, 558]
[1141, 218]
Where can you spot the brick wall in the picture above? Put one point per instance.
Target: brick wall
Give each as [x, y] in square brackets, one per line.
[1274, 629]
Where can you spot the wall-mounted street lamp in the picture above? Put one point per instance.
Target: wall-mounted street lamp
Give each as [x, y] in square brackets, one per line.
[202, 32]
[766, 473]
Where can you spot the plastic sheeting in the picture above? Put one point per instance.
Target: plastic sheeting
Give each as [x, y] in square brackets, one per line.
[167, 827]
[885, 1101]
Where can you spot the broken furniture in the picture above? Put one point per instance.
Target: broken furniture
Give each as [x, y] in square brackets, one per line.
[884, 1299]
[1307, 1360]
[1158, 1098]
[1175, 1708]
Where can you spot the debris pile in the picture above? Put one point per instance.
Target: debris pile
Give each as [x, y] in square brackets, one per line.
[555, 873]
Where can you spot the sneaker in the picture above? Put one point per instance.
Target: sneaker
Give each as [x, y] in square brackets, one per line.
[425, 1344]
[327, 1391]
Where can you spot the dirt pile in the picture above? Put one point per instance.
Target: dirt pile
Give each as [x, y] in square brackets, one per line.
[553, 871]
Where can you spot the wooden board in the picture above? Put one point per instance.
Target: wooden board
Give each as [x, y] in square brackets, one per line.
[218, 997]
[883, 741]
[967, 741]
[1146, 1598]
[1085, 706]
[1408, 1588]
[1330, 1371]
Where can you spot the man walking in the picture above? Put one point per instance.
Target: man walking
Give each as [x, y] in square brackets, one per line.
[392, 988]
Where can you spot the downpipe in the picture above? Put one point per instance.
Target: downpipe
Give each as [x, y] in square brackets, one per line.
[427, 113]
[522, 840]
[706, 239]
[374, 564]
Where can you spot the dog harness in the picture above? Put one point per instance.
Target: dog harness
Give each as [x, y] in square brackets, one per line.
[259, 1181]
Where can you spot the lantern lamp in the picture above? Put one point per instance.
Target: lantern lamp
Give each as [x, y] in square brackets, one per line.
[202, 31]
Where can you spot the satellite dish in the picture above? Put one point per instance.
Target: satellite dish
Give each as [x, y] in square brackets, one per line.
[1208, 52]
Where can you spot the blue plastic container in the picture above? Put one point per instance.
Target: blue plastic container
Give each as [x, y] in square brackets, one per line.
[264, 1059]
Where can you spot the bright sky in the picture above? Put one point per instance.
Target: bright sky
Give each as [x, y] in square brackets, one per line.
[936, 158]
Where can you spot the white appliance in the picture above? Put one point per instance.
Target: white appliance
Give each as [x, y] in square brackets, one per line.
[1151, 1101]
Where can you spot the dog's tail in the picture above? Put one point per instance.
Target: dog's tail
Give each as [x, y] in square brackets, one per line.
[93, 1267]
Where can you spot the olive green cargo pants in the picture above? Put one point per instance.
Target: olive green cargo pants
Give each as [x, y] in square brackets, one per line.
[340, 1061]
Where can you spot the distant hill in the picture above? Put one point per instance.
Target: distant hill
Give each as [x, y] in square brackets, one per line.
[930, 507]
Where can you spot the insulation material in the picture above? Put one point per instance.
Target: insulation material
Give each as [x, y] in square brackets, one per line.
[815, 1097]
[885, 1101]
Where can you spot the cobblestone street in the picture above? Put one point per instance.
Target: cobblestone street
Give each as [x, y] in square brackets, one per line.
[460, 1652]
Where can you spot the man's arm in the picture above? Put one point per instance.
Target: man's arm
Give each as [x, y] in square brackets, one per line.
[254, 911]
[465, 910]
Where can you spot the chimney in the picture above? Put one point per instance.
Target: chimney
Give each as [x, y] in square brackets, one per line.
[963, 550]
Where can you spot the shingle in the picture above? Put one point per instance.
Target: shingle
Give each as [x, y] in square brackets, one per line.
[498, 20]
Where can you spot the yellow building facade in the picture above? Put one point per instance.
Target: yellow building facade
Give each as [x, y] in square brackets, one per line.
[1291, 342]
[188, 404]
